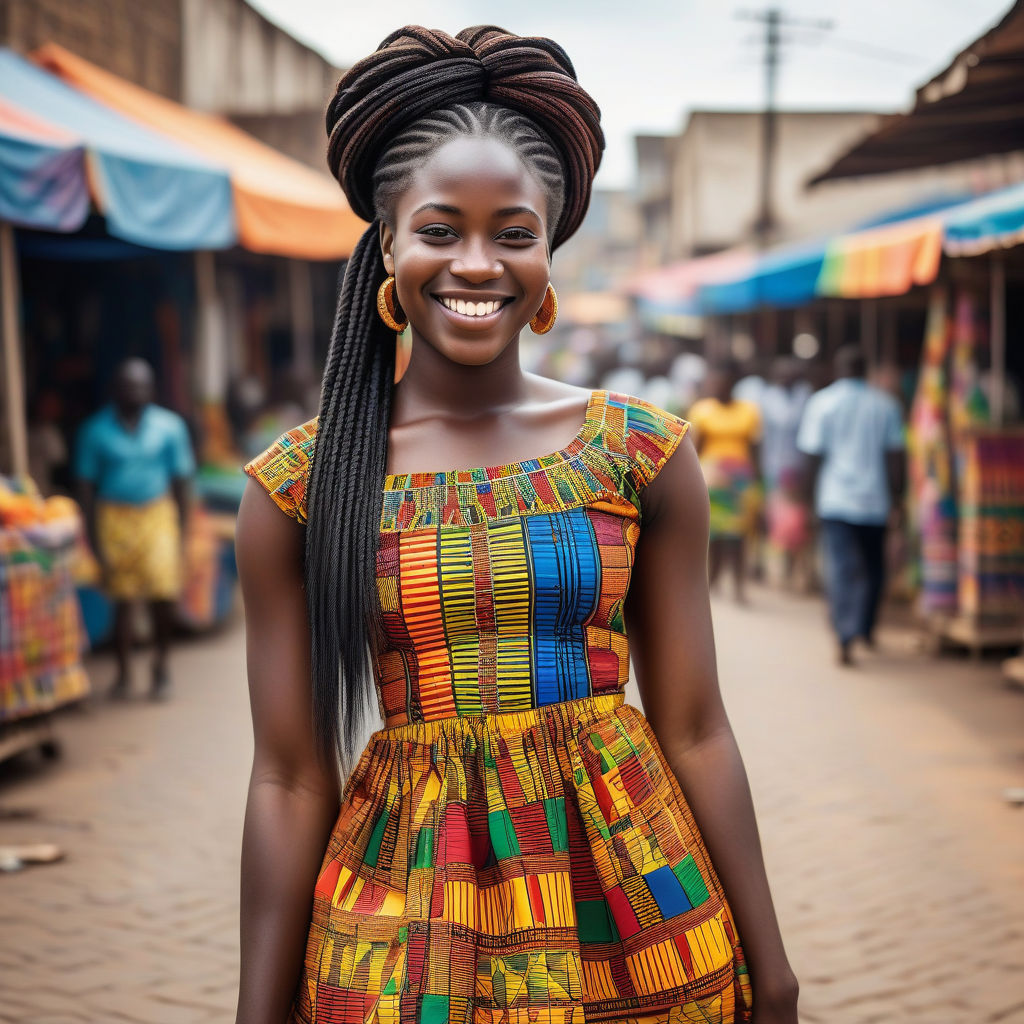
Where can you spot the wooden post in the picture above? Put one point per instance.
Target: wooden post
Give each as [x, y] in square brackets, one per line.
[997, 334]
[14, 374]
[211, 359]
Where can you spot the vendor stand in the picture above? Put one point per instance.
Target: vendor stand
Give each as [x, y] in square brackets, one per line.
[41, 633]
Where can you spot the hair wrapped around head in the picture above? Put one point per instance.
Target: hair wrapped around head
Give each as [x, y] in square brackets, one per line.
[416, 71]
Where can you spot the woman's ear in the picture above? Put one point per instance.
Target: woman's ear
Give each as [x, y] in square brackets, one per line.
[387, 247]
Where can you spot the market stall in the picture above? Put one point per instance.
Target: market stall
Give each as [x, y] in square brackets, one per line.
[41, 634]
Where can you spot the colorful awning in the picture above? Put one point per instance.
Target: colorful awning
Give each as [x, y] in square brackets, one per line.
[785, 276]
[887, 260]
[992, 221]
[42, 174]
[152, 191]
[281, 206]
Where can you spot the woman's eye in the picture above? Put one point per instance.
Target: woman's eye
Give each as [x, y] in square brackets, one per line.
[436, 231]
[517, 235]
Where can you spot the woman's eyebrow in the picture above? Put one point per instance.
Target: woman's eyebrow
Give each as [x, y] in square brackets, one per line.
[438, 207]
[510, 211]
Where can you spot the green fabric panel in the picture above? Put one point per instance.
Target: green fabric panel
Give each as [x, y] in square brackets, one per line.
[503, 835]
[594, 923]
[373, 847]
[690, 879]
[424, 848]
[434, 1010]
[554, 809]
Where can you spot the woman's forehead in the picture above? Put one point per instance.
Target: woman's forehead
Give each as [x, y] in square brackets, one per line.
[473, 170]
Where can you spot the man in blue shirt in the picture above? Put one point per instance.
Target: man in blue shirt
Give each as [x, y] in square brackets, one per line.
[852, 434]
[133, 462]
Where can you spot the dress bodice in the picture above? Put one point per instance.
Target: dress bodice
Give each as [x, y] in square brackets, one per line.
[502, 588]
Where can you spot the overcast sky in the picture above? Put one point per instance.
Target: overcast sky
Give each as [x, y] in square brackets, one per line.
[649, 61]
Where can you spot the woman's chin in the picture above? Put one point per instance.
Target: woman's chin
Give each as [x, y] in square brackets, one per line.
[469, 351]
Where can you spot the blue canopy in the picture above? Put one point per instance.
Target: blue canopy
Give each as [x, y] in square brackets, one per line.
[782, 277]
[152, 191]
[42, 175]
[985, 223]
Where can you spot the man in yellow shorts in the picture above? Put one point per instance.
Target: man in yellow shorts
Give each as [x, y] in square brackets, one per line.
[133, 462]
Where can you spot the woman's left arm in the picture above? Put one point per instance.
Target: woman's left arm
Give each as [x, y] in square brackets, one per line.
[668, 617]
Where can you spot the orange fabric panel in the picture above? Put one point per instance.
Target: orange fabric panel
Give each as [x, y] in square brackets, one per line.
[281, 206]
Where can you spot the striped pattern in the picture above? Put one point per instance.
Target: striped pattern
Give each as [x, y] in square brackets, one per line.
[512, 846]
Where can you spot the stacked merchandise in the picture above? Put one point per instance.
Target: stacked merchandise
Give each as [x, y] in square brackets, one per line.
[41, 635]
[930, 463]
[991, 534]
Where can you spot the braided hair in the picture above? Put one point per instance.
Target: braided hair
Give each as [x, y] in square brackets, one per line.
[390, 112]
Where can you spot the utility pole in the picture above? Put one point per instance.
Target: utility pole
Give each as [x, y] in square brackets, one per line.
[774, 20]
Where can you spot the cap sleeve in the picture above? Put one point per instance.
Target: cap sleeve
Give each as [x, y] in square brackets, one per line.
[651, 436]
[283, 469]
[641, 436]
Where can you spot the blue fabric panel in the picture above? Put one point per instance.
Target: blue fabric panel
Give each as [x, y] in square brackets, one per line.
[563, 559]
[667, 892]
[42, 185]
[155, 192]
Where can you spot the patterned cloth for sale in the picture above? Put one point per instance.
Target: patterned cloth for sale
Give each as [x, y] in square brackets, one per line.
[512, 846]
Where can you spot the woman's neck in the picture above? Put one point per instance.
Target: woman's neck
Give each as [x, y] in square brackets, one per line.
[433, 383]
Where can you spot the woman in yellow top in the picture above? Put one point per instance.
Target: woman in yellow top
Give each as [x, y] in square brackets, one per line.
[728, 431]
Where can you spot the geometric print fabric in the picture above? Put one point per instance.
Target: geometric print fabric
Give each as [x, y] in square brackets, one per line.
[512, 846]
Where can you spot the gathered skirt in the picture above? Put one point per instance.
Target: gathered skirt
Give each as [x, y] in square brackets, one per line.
[538, 866]
[734, 494]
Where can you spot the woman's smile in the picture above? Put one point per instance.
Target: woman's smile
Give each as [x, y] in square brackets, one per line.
[471, 309]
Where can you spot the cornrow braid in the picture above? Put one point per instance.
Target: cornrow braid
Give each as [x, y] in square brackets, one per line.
[390, 112]
[419, 141]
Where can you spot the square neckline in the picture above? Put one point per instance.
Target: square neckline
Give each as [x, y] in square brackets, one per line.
[481, 474]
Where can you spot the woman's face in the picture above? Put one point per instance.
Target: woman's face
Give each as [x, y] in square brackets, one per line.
[468, 249]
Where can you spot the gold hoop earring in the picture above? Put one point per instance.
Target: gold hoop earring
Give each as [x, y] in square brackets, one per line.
[545, 317]
[386, 306]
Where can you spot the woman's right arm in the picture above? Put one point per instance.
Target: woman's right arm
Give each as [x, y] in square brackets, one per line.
[293, 797]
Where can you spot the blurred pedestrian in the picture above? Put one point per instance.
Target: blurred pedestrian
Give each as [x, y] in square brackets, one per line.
[786, 508]
[133, 463]
[852, 433]
[727, 433]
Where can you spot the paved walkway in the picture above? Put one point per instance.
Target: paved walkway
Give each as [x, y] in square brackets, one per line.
[898, 870]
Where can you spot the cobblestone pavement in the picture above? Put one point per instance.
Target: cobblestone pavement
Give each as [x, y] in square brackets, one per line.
[897, 868]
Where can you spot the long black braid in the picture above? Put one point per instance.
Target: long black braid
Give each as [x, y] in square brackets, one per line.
[390, 112]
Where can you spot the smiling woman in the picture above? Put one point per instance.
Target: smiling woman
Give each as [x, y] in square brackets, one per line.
[515, 844]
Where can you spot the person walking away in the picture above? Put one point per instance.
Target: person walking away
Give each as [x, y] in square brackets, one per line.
[782, 408]
[133, 463]
[727, 432]
[852, 433]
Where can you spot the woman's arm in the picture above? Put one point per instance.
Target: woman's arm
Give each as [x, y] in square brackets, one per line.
[669, 621]
[293, 797]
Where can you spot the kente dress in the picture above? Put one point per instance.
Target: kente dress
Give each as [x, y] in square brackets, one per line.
[512, 847]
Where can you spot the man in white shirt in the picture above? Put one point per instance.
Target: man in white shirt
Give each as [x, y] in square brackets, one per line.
[852, 434]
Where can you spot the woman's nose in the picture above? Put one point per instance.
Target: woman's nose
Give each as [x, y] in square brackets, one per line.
[476, 263]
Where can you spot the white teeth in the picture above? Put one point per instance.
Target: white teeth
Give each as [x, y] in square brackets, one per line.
[471, 308]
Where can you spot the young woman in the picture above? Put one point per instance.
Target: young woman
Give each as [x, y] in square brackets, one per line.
[728, 430]
[514, 845]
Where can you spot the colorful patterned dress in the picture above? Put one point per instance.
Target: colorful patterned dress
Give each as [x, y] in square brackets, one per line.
[512, 846]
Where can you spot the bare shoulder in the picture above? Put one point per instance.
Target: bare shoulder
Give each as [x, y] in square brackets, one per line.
[268, 542]
[678, 495]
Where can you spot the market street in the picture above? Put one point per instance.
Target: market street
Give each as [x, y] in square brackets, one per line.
[897, 867]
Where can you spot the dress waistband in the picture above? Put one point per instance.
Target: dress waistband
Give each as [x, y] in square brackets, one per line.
[561, 715]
